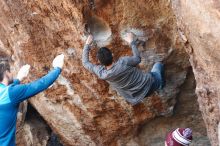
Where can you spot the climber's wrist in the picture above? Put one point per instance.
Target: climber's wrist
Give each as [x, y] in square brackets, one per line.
[133, 42]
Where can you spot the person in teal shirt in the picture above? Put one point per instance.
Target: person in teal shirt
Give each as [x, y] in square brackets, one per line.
[12, 93]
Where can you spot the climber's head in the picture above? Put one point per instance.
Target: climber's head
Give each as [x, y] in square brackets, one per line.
[5, 74]
[104, 56]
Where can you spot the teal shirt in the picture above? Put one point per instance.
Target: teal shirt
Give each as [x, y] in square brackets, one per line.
[11, 96]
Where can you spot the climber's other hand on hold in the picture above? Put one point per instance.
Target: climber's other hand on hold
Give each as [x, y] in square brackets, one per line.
[89, 40]
[23, 72]
[129, 37]
[58, 61]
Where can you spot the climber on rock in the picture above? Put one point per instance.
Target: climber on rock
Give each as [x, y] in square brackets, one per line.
[12, 93]
[123, 75]
[179, 137]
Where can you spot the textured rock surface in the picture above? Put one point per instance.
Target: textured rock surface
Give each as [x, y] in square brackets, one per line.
[81, 109]
[32, 132]
[199, 19]
[35, 132]
[186, 114]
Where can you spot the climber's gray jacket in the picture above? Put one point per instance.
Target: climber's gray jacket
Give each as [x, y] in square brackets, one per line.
[129, 81]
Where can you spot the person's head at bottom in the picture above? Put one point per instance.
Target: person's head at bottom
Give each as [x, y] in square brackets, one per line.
[179, 137]
[105, 57]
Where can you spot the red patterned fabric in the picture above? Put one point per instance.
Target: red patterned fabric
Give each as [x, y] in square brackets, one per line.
[179, 137]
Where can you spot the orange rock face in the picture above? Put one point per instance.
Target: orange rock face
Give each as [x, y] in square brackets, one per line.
[79, 107]
[199, 20]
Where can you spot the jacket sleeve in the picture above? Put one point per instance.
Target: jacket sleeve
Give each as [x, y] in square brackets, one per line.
[21, 92]
[135, 59]
[16, 81]
[96, 69]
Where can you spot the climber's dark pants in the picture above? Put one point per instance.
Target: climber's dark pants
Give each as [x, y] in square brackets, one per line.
[158, 74]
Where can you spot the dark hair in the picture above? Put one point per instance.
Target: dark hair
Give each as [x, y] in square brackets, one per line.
[4, 66]
[104, 56]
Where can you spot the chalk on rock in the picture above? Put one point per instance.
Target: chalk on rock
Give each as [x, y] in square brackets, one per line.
[71, 51]
[140, 34]
[100, 30]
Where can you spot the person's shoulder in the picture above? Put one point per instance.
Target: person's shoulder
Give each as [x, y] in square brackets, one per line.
[16, 87]
[122, 60]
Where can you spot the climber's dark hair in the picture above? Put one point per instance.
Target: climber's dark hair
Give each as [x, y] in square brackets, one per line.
[104, 56]
[4, 66]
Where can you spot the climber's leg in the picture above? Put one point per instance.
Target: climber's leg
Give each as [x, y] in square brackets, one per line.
[158, 73]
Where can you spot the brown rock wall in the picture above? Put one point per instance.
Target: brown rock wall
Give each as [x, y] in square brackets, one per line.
[80, 108]
[199, 20]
